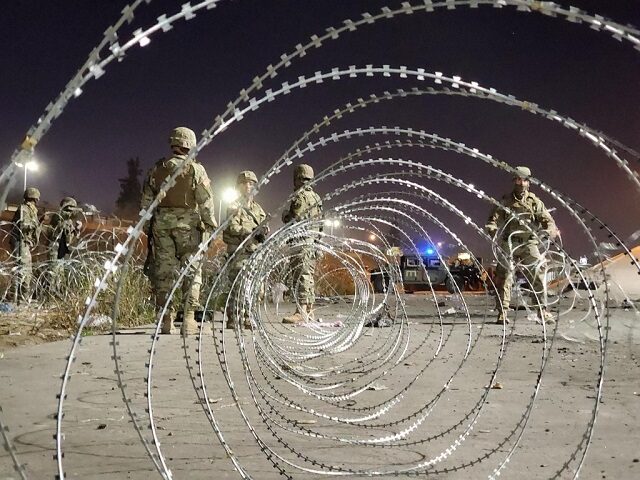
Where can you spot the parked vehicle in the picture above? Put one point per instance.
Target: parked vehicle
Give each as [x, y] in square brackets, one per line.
[464, 274]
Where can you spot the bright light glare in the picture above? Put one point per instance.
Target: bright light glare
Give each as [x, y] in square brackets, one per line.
[336, 223]
[144, 41]
[439, 244]
[372, 237]
[230, 195]
[328, 222]
[32, 165]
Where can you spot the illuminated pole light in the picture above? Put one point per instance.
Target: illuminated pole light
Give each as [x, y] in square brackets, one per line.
[29, 165]
[229, 195]
[372, 237]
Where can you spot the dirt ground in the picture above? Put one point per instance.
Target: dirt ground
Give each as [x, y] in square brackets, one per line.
[25, 326]
[440, 405]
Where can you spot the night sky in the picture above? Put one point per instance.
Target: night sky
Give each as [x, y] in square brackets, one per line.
[188, 75]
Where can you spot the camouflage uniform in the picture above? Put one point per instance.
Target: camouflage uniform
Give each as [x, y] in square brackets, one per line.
[305, 205]
[181, 218]
[63, 229]
[519, 244]
[25, 232]
[245, 215]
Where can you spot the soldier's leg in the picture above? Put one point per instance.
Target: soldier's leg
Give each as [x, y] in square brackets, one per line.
[295, 272]
[28, 274]
[234, 302]
[531, 262]
[503, 281]
[187, 242]
[23, 277]
[307, 294]
[296, 268]
[534, 272]
[165, 264]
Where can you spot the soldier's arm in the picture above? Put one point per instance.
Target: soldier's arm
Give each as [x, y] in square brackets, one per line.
[236, 227]
[262, 216]
[16, 216]
[319, 203]
[286, 214]
[298, 207]
[546, 220]
[495, 218]
[295, 210]
[204, 197]
[148, 192]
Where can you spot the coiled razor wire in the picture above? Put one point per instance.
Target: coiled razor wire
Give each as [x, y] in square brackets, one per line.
[312, 371]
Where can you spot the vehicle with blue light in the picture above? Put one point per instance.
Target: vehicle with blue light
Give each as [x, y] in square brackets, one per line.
[419, 272]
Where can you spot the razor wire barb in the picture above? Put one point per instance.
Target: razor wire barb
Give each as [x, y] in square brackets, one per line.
[282, 353]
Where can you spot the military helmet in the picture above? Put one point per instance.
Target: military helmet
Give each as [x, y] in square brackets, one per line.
[68, 202]
[182, 137]
[246, 176]
[303, 172]
[32, 192]
[523, 172]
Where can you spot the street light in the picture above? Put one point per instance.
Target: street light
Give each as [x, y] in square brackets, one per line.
[229, 195]
[331, 223]
[29, 165]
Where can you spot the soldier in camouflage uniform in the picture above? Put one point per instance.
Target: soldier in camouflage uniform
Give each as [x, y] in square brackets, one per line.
[184, 216]
[25, 232]
[64, 229]
[245, 215]
[305, 205]
[519, 244]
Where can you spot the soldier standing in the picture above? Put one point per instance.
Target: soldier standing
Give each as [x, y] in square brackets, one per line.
[245, 215]
[519, 243]
[305, 205]
[25, 233]
[184, 216]
[64, 229]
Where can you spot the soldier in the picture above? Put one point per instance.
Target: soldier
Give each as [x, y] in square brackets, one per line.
[519, 244]
[305, 205]
[64, 229]
[245, 215]
[25, 232]
[184, 216]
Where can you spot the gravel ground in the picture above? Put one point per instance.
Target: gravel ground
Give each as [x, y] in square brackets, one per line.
[539, 427]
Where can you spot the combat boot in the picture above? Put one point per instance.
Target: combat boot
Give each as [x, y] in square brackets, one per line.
[502, 318]
[166, 327]
[297, 317]
[189, 324]
[310, 316]
[545, 316]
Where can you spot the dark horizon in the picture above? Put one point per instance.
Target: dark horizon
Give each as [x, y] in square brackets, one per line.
[187, 76]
